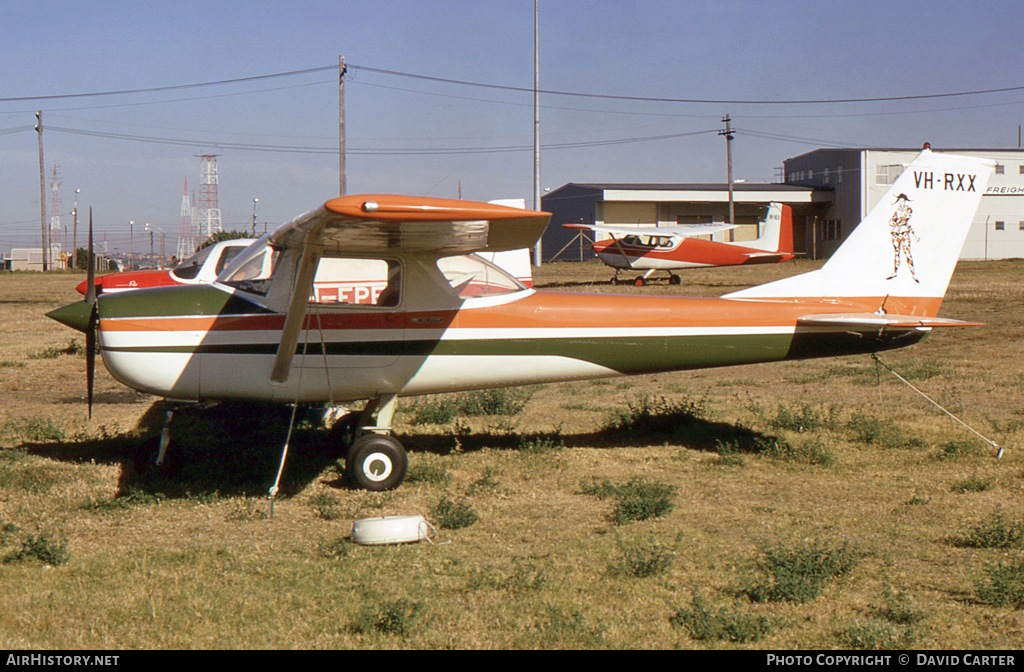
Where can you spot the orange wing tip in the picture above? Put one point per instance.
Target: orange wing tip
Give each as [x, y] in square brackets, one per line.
[388, 207]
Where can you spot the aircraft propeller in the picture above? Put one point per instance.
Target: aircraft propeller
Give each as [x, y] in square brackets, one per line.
[90, 332]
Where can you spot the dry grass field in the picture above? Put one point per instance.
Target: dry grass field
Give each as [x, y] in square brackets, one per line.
[811, 505]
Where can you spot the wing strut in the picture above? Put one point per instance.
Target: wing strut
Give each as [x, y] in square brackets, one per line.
[297, 308]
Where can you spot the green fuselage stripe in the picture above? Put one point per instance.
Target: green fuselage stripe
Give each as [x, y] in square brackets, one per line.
[626, 355]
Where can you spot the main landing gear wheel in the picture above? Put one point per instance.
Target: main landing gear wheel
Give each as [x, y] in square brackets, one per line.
[376, 462]
[640, 282]
[675, 280]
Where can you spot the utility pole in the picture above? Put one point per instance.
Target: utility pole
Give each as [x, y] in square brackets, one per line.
[74, 233]
[537, 252]
[44, 242]
[342, 178]
[728, 133]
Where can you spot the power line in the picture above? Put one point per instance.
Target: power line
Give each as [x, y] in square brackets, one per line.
[157, 89]
[520, 89]
[297, 149]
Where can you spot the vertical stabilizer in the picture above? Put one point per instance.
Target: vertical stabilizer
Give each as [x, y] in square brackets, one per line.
[776, 231]
[909, 243]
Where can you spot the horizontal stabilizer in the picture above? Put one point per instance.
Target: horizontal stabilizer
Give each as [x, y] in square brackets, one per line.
[765, 256]
[879, 321]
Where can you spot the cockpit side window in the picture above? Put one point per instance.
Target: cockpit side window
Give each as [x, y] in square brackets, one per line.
[226, 257]
[356, 281]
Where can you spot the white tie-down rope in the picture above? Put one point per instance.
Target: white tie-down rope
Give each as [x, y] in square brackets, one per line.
[999, 450]
[275, 488]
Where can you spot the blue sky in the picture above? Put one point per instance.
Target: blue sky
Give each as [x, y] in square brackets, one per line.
[719, 50]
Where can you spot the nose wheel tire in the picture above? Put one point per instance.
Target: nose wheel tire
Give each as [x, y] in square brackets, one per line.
[376, 462]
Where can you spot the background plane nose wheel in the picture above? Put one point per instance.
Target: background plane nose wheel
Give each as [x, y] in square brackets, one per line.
[146, 458]
[376, 462]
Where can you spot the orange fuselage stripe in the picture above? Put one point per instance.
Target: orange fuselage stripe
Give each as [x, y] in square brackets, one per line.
[556, 310]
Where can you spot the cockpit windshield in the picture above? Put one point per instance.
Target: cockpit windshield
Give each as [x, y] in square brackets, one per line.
[189, 269]
[251, 270]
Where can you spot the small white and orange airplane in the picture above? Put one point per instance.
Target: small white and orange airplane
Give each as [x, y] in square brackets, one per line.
[670, 248]
[447, 320]
[202, 267]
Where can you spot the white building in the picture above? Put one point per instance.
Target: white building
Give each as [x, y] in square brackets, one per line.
[858, 178]
[28, 259]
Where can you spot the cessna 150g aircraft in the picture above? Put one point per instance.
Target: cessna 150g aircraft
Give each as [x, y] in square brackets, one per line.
[668, 248]
[403, 307]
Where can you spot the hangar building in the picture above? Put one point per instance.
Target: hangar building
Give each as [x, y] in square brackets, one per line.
[830, 191]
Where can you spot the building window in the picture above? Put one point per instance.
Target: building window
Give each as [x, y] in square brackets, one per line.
[829, 229]
[1020, 225]
[886, 175]
[825, 177]
[1000, 169]
[1020, 169]
[1000, 226]
[839, 174]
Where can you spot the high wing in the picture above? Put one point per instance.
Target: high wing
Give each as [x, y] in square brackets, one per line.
[375, 223]
[677, 231]
[386, 223]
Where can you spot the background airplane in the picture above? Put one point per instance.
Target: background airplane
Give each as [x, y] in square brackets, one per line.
[669, 248]
[448, 321]
[202, 267]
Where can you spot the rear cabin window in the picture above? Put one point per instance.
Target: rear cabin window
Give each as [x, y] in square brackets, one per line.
[470, 276]
[357, 282]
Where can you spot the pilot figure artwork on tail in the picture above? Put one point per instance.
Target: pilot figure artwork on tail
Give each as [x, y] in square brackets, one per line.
[901, 234]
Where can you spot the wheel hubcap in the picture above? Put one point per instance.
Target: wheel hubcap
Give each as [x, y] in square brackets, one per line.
[377, 467]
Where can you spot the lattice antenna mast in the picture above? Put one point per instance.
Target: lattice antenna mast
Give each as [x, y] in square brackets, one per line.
[54, 211]
[187, 232]
[209, 207]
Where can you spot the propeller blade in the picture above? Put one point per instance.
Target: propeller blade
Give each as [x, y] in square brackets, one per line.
[90, 355]
[90, 292]
[90, 333]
